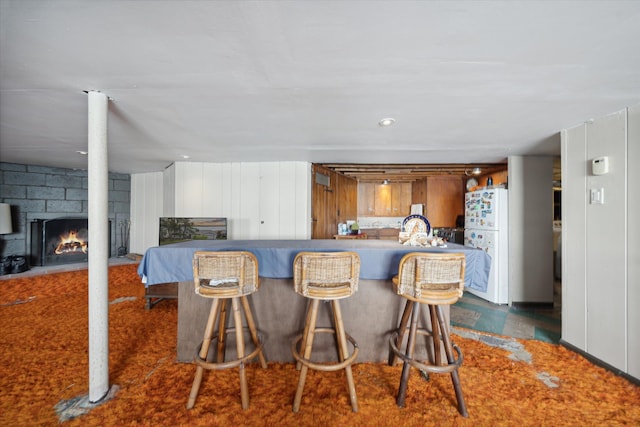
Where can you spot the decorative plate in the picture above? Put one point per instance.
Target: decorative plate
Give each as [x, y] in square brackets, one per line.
[471, 182]
[416, 224]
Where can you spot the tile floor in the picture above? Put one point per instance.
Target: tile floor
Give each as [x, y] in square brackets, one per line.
[543, 324]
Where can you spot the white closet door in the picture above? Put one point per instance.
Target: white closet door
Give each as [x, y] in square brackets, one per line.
[189, 189]
[146, 209]
[289, 198]
[247, 218]
[269, 196]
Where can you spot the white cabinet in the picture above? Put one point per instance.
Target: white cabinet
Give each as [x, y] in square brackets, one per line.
[600, 299]
[145, 210]
[633, 256]
[281, 213]
[261, 200]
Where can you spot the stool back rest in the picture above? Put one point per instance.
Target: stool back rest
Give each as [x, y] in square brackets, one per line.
[225, 274]
[431, 272]
[327, 275]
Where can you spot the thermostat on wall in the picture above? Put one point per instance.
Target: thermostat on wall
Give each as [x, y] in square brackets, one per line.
[600, 165]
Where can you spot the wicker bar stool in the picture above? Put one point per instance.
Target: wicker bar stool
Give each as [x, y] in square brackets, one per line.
[325, 276]
[225, 276]
[433, 279]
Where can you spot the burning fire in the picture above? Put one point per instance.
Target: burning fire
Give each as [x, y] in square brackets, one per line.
[71, 243]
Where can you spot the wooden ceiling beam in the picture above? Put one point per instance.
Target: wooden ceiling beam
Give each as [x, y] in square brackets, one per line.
[408, 172]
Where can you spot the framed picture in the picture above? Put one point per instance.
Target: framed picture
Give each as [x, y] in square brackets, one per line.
[174, 230]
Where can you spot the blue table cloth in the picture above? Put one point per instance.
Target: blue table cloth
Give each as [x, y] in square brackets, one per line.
[379, 259]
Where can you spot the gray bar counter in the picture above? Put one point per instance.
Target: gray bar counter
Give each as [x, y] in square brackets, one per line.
[369, 315]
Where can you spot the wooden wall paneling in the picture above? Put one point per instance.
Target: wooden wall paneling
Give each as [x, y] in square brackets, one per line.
[332, 205]
[347, 206]
[317, 206]
[342, 199]
[323, 207]
[499, 177]
[331, 215]
[419, 192]
[445, 200]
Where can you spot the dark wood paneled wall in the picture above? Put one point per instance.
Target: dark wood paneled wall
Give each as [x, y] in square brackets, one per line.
[443, 198]
[441, 195]
[333, 204]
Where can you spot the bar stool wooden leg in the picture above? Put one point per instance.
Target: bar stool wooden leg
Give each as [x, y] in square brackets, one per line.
[222, 331]
[448, 348]
[204, 350]
[406, 314]
[253, 329]
[435, 335]
[237, 318]
[344, 351]
[307, 322]
[308, 340]
[406, 367]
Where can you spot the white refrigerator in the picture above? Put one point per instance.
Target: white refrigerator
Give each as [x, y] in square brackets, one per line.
[486, 226]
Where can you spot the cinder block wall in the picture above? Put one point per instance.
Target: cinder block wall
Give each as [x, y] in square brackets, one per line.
[40, 192]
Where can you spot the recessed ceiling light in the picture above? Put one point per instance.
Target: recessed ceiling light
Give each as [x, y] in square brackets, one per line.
[386, 121]
[84, 153]
[185, 156]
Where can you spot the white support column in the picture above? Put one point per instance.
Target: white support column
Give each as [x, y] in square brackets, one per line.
[98, 173]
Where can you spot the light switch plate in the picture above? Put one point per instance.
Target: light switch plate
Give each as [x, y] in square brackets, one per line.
[597, 196]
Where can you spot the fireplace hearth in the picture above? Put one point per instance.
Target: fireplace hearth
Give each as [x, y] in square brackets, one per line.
[60, 241]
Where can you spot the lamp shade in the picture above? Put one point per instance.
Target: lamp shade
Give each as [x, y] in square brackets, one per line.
[5, 219]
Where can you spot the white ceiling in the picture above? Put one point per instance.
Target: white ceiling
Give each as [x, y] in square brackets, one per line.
[224, 81]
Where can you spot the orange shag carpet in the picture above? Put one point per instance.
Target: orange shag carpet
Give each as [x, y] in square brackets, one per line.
[44, 361]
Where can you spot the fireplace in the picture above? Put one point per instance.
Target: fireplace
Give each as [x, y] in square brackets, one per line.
[60, 241]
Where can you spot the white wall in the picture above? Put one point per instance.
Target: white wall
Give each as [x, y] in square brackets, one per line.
[263, 200]
[574, 216]
[601, 296]
[633, 236]
[146, 209]
[530, 229]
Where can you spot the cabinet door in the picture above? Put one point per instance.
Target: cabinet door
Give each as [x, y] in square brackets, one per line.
[400, 199]
[384, 200]
[388, 234]
[382, 203]
[366, 197]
